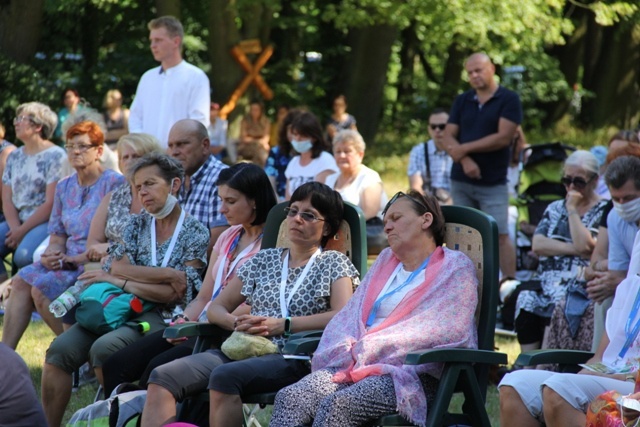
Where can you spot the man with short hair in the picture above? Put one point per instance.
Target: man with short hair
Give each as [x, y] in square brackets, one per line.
[429, 167]
[481, 126]
[623, 179]
[175, 90]
[189, 144]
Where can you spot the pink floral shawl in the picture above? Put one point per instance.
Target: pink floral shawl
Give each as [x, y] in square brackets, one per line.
[437, 314]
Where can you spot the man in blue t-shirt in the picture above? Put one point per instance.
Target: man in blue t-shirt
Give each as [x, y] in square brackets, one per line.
[481, 126]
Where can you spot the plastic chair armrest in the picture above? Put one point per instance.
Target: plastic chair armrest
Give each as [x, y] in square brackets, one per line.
[455, 355]
[565, 357]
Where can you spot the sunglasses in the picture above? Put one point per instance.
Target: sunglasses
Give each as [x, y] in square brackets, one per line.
[401, 194]
[440, 126]
[306, 216]
[577, 181]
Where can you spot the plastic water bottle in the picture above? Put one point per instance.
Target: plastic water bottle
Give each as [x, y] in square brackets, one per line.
[66, 300]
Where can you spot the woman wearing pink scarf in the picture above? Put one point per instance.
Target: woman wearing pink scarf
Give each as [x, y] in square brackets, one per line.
[417, 295]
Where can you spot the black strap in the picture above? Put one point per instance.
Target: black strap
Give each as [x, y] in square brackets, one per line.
[427, 183]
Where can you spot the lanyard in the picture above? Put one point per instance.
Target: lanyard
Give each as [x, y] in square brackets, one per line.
[217, 285]
[631, 333]
[172, 243]
[376, 305]
[284, 302]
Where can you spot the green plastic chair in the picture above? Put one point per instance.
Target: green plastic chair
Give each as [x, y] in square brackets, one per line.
[351, 239]
[465, 370]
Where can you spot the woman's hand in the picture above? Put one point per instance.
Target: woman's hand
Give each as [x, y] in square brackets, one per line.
[572, 200]
[14, 237]
[52, 260]
[96, 252]
[176, 341]
[259, 325]
[95, 276]
[179, 282]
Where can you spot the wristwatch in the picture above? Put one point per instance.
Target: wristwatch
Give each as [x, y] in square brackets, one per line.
[287, 327]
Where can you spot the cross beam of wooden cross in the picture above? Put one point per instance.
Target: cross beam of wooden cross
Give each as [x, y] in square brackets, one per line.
[253, 76]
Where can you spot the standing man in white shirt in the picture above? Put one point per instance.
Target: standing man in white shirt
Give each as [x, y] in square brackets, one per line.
[429, 167]
[173, 91]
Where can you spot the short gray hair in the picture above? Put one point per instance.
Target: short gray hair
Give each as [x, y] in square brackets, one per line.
[41, 115]
[622, 170]
[584, 160]
[352, 136]
[85, 114]
[169, 167]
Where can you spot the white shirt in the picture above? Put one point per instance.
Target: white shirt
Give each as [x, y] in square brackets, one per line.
[298, 174]
[390, 303]
[616, 320]
[352, 192]
[164, 97]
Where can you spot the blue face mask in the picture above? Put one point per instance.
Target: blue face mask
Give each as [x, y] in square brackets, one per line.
[302, 146]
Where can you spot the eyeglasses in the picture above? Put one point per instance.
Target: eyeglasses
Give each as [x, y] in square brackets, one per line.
[401, 194]
[80, 147]
[21, 119]
[577, 181]
[306, 216]
[440, 126]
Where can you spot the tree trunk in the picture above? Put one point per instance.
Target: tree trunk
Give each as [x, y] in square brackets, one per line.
[366, 74]
[168, 7]
[405, 87]
[451, 76]
[613, 78]
[223, 35]
[20, 28]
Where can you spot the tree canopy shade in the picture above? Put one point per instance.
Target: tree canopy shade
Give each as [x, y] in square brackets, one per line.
[394, 60]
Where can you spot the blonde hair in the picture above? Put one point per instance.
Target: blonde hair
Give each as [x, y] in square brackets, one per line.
[141, 143]
[109, 96]
[170, 23]
[350, 136]
[41, 115]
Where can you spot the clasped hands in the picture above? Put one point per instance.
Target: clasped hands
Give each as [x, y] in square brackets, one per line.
[259, 325]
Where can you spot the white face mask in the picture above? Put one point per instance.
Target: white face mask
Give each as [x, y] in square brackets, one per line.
[169, 204]
[630, 211]
[302, 146]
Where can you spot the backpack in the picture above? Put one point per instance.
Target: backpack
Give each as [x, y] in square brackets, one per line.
[105, 307]
[119, 410]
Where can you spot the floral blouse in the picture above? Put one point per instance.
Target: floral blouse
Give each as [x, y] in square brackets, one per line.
[261, 283]
[28, 176]
[191, 245]
[118, 212]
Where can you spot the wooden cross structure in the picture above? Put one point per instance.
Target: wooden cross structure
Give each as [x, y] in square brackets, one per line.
[239, 53]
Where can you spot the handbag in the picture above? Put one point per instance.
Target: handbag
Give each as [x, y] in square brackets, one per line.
[240, 346]
[105, 307]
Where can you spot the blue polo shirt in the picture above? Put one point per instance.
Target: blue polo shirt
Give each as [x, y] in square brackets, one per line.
[476, 121]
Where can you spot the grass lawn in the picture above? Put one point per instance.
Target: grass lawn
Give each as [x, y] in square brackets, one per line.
[36, 340]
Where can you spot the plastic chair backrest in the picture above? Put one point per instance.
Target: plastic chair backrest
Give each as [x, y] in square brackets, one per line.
[351, 239]
[476, 234]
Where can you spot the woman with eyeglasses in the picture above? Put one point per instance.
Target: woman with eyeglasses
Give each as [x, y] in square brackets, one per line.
[76, 199]
[417, 295]
[564, 241]
[28, 184]
[289, 290]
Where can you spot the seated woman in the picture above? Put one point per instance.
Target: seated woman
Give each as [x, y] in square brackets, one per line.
[255, 127]
[340, 119]
[288, 290]
[564, 240]
[280, 155]
[355, 182]
[416, 295]
[76, 200]
[247, 198]
[116, 117]
[27, 190]
[312, 163]
[531, 397]
[112, 214]
[165, 273]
